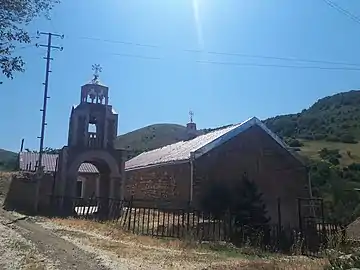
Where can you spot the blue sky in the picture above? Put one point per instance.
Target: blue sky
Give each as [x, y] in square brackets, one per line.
[144, 90]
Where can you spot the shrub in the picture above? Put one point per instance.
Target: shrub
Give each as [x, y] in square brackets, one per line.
[354, 167]
[347, 138]
[332, 138]
[329, 153]
[334, 161]
[295, 143]
[344, 262]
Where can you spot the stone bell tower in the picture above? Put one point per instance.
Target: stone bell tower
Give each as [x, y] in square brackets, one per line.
[191, 127]
[93, 123]
[92, 131]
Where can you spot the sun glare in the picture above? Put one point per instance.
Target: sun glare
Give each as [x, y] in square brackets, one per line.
[198, 25]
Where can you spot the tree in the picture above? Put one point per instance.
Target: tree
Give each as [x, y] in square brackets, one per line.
[14, 16]
[249, 214]
[247, 205]
[46, 150]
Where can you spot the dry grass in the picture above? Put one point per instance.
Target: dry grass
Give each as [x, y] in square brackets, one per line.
[311, 149]
[173, 253]
[32, 262]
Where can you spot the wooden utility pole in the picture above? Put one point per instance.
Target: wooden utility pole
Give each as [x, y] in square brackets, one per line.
[48, 58]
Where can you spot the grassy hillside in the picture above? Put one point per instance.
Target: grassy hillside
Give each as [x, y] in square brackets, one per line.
[334, 118]
[332, 122]
[150, 137]
[6, 155]
[7, 159]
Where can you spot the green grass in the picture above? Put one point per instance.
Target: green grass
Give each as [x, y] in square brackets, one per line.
[311, 150]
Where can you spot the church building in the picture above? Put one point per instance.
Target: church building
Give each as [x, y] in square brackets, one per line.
[181, 172]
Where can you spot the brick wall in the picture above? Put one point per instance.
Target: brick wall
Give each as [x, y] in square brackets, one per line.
[275, 171]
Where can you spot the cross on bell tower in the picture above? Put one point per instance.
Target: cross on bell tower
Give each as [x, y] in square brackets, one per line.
[191, 126]
[97, 70]
[191, 113]
[93, 123]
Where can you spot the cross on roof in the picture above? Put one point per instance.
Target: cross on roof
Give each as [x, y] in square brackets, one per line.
[191, 113]
[97, 70]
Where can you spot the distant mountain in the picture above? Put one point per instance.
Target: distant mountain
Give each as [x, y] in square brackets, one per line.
[7, 159]
[333, 118]
[6, 155]
[150, 137]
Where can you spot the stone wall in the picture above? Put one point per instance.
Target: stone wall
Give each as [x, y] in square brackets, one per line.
[275, 171]
[167, 183]
[23, 194]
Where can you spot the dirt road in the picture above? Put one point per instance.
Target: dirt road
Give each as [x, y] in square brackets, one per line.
[27, 245]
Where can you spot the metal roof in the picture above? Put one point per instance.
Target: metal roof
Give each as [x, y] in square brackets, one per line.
[29, 160]
[181, 151]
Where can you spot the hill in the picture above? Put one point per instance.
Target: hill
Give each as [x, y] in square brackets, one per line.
[6, 155]
[334, 118]
[331, 122]
[7, 159]
[150, 137]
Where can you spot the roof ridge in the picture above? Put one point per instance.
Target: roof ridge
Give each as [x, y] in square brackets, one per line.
[178, 142]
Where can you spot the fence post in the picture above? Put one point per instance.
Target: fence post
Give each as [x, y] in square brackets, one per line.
[323, 222]
[300, 216]
[279, 212]
[279, 226]
[130, 208]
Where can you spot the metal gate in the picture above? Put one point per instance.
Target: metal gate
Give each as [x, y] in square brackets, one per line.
[311, 222]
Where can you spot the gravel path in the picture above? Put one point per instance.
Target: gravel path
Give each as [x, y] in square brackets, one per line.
[26, 245]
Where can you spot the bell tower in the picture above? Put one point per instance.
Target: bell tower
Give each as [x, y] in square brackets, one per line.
[92, 131]
[93, 122]
[191, 127]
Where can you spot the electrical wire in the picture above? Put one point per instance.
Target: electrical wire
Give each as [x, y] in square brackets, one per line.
[342, 10]
[274, 65]
[118, 42]
[279, 58]
[290, 59]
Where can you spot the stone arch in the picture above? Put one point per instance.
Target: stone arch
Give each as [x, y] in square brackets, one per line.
[98, 159]
[109, 185]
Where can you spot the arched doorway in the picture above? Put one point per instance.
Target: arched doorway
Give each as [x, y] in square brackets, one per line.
[96, 174]
[87, 182]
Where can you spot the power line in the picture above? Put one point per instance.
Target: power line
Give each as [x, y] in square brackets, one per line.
[136, 56]
[118, 42]
[291, 59]
[342, 10]
[273, 65]
[278, 58]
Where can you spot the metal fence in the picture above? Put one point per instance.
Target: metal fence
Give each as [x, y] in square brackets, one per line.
[160, 220]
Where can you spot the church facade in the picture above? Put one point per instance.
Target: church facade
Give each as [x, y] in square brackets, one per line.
[180, 173]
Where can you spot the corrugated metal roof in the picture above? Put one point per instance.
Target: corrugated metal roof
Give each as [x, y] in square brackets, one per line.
[176, 152]
[181, 151]
[28, 162]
